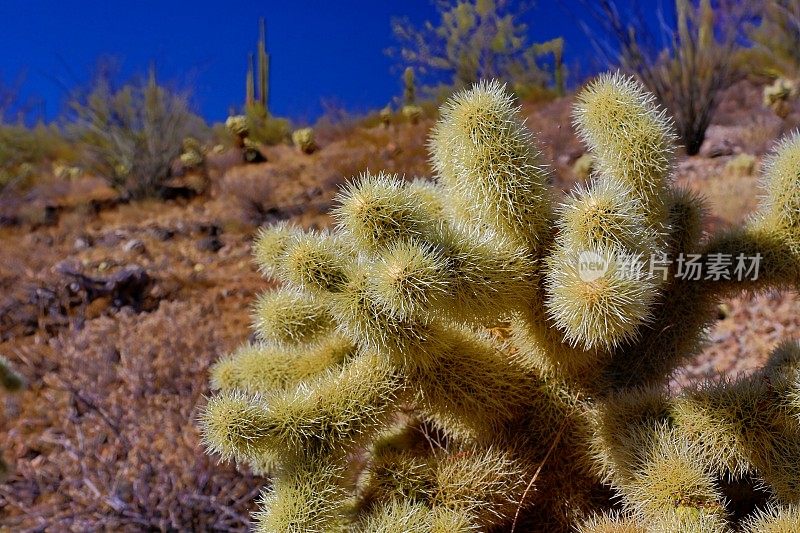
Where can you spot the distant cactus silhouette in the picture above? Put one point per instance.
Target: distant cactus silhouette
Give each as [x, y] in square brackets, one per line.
[385, 115]
[409, 87]
[412, 113]
[448, 359]
[259, 125]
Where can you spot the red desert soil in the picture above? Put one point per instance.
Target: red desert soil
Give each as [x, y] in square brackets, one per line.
[114, 312]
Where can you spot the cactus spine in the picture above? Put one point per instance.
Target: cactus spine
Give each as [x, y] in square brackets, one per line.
[441, 351]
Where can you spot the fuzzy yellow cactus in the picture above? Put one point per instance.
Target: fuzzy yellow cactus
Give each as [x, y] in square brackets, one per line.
[472, 354]
[303, 139]
[237, 125]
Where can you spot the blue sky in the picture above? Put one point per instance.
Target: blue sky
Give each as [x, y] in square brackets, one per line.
[321, 50]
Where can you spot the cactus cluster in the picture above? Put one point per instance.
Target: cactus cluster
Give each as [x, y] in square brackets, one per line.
[239, 127]
[473, 354]
[192, 155]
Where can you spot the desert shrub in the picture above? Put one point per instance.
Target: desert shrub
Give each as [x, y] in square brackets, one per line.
[116, 396]
[774, 38]
[131, 135]
[26, 151]
[478, 39]
[412, 113]
[255, 194]
[741, 165]
[466, 355]
[690, 73]
[263, 128]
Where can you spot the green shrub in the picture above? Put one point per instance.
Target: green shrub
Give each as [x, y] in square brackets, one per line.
[132, 135]
[24, 152]
[467, 355]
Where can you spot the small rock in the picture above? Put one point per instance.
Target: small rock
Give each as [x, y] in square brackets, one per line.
[50, 215]
[212, 230]
[163, 234]
[84, 242]
[133, 245]
[110, 239]
[44, 239]
[211, 243]
[717, 148]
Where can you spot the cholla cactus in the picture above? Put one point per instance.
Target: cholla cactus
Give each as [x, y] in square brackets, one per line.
[237, 125]
[64, 171]
[412, 113]
[303, 139]
[466, 355]
[11, 382]
[251, 151]
[192, 155]
[778, 95]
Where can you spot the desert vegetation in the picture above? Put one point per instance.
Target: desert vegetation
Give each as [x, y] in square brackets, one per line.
[416, 317]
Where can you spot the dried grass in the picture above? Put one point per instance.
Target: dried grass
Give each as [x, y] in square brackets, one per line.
[104, 438]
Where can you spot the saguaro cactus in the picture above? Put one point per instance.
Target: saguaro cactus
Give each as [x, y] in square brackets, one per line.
[466, 354]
